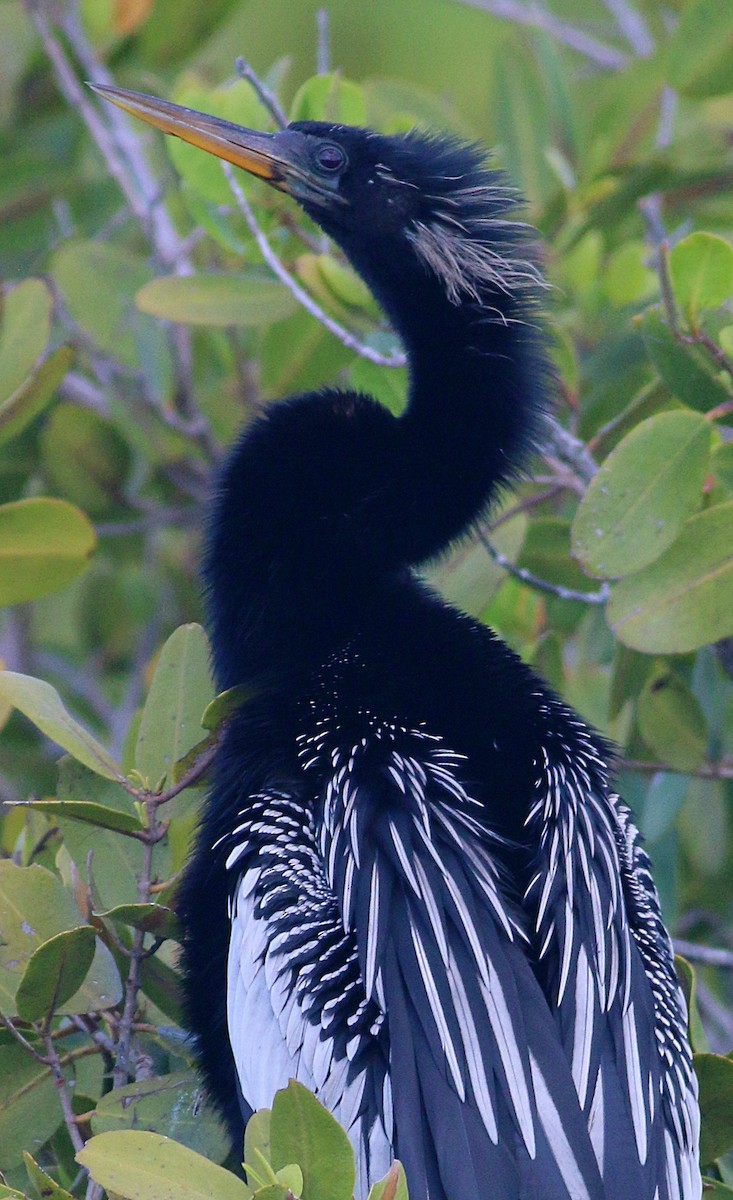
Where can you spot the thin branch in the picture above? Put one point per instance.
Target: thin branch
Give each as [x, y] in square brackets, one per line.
[267, 98]
[523, 505]
[323, 48]
[633, 27]
[569, 449]
[711, 955]
[537, 17]
[62, 1087]
[542, 585]
[716, 770]
[23, 1041]
[344, 336]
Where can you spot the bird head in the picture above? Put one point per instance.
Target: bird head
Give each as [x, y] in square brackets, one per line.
[384, 199]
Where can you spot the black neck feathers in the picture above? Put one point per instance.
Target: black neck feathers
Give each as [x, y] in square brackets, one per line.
[329, 497]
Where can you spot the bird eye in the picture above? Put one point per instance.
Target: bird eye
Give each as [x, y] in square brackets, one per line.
[330, 158]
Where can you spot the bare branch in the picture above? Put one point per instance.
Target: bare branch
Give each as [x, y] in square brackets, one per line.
[62, 1086]
[711, 955]
[323, 48]
[716, 770]
[542, 585]
[344, 336]
[633, 27]
[569, 449]
[537, 17]
[266, 97]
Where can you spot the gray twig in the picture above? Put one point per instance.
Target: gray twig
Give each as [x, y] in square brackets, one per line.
[712, 955]
[344, 335]
[633, 27]
[323, 48]
[264, 95]
[542, 585]
[537, 17]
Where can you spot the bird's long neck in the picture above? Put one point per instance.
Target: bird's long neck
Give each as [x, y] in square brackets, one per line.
[477, 389]
[330, 497]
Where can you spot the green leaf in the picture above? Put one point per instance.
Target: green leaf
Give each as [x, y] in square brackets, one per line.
[26, 324]
[43, 544]
[713, 1189]
[701, 266]
[180, 691]
[162, 984]
[330, 97]
[393, 1186]
[671, 721]
[303, 1132]
[700, 53]
[173, 1105]
[388, 385]
[30, 1112]
[291, 1178]
[642, 495]
[685, 370]
[98, 282]
[88, 812]
[30, 399]
[42, 705]
[218, 300]
[116, 862]
[715, 1078]
[684, 600]
[146, 1166]
[695, 1030]
[84, 457]
[45, 1187]
[55, 971]
[546, 552]
[151, 918]
[469, 577]
[257, 1137]
[225, 704]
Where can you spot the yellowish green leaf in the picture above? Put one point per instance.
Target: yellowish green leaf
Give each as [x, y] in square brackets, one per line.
[43, 544]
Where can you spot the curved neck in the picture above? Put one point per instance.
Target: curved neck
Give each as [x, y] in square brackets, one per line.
[328, 497]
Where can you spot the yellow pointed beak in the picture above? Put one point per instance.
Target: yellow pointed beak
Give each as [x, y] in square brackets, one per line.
[262, 154]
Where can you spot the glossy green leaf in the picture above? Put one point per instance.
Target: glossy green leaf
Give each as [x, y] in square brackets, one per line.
[34, 906]
[330, 97]
[685, 370]
[44, 1186]
[147, 1166]
[388, 385]
[84, 457]
[180, 691]
[114, 862]
[55, 971]
[218, 300]
[171, 1104]
[700, 53]
[684, 600]
[642, 495]
[393, 1186]
[701, 266]
[257, 1137]
[43, 544]
[223, 706]
[688, 983]
[42, 705]
[26, 323]
[98, 283]
[303, 1132]
[89, 812]
[34, 393]
[715, 1078]
[157, 919]
[30, 1112]
[671, 721]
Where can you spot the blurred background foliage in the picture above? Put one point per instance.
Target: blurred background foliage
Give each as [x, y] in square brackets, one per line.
[142, 326]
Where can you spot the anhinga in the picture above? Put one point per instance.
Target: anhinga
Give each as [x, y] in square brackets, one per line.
[413, 888]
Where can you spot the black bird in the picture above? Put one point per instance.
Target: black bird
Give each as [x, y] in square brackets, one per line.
[413, 887]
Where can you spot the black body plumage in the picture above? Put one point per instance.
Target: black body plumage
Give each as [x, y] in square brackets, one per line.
[413, 887]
